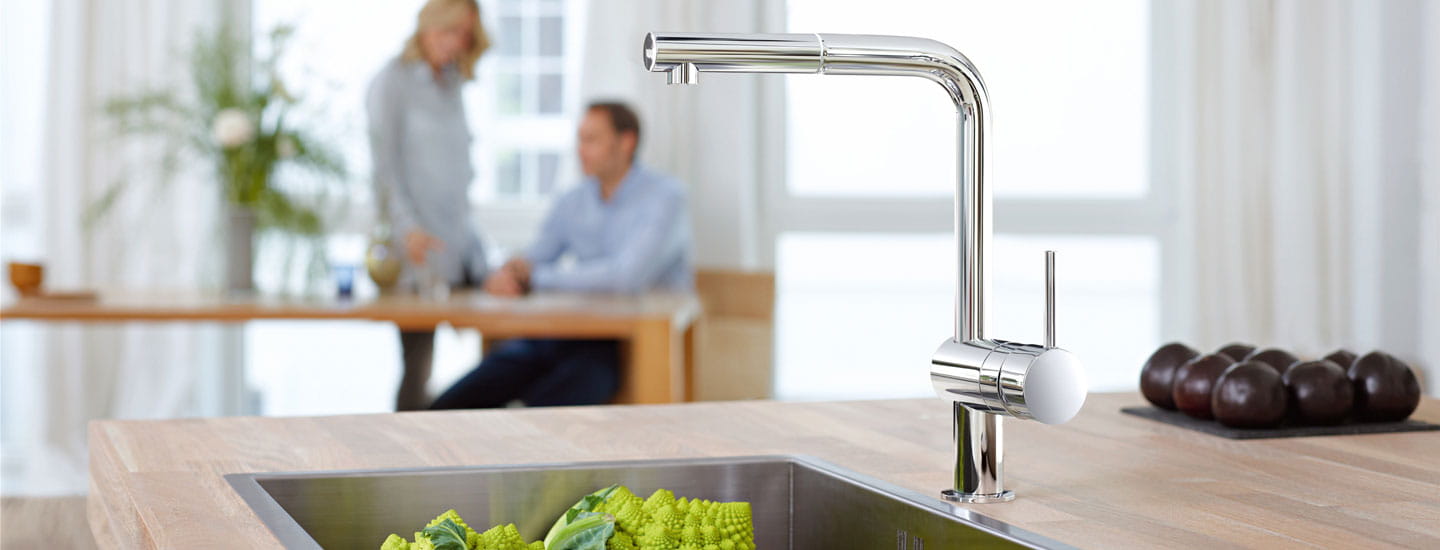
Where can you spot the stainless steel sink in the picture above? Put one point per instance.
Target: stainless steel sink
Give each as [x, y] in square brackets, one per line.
[797, 502]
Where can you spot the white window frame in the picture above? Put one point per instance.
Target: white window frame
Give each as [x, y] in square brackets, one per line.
[1151, 215]
[512, 223]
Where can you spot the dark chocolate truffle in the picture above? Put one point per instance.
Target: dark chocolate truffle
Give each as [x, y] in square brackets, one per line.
[1386, 390]
[1342, 358]
[1278, 359]
[1319, 392]
[1157, 377]
[1249, 395]
[1236, 350]
[1194, 382]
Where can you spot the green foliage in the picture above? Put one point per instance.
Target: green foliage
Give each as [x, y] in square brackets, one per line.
[224, 78]
[446, 535]
[587, 531]
[587, 503]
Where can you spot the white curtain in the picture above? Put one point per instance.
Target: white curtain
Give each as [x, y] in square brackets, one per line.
[720, 138]
[1304, 199]
[153, 239]
[1430, 209]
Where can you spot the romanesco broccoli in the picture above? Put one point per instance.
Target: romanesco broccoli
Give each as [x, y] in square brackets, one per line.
[659, 522]
[395, 542]
[500, 537]
[422, 542]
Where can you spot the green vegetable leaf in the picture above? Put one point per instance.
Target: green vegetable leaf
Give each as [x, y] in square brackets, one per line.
[586, 504]
[588, 531]
[589, 502]
[446, 535]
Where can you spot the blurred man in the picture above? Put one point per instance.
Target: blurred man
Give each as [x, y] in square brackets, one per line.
[624, 230]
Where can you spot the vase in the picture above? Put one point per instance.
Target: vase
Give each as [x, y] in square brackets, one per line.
[239, 248]
[382, 260]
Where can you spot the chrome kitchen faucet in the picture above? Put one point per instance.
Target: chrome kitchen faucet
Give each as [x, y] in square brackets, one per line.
[985, 379]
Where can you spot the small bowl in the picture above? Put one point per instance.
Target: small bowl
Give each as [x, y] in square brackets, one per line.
[27, 278]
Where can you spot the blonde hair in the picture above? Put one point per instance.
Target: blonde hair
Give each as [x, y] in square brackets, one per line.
[440, 12]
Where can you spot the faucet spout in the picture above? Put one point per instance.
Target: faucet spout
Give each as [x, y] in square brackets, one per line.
[986, 379]
[683, 73]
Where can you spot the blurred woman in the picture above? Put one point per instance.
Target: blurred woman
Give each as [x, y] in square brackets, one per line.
[420, 147]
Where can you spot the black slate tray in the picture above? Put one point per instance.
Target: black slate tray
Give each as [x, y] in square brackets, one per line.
[1177, 418]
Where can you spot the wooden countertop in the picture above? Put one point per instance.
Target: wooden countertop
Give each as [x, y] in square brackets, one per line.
[591, 314]
[1105, 480]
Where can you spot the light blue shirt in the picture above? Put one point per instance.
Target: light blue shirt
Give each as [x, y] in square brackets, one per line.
[420, 147]
[636, 242]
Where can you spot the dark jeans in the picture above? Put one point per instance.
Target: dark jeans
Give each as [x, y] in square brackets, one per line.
[539, 373]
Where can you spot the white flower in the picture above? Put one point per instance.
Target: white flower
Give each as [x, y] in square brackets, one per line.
[233, 128]
[285, 147]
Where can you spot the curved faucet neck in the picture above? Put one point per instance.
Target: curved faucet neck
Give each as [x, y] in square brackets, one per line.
[684, 55]
[939, 63]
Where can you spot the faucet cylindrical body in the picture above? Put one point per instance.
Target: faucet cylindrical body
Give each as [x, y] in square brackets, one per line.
[1009, 378]
[979, 457]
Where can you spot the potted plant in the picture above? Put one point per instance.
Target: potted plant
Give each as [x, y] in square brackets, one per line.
[237, 118]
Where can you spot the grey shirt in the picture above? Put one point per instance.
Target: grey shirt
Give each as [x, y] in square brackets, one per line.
[420, 148]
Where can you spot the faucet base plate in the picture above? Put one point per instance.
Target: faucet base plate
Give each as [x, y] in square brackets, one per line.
[977, 498]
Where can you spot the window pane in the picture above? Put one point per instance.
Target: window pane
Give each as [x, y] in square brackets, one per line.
[509, 36]
[507, 175]
[337, 48]
[551, 93]
[549, 166]
[511, 95]
[858, 315]
[1066, 125]
[552, 36]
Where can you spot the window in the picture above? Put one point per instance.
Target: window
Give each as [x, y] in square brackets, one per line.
[527, 100]
[870, 326]
[521, 108]
[864, 254]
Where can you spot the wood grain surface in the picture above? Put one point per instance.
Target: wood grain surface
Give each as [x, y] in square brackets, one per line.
[735, 338]
[577, 314]
[1105, 480]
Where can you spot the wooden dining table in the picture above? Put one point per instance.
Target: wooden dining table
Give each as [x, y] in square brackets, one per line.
[656, 330]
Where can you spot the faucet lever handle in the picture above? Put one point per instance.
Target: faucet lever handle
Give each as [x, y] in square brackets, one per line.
[1049, 298]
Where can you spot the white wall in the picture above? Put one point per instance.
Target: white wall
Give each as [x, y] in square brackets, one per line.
[1429, 238]
[1394, 230]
